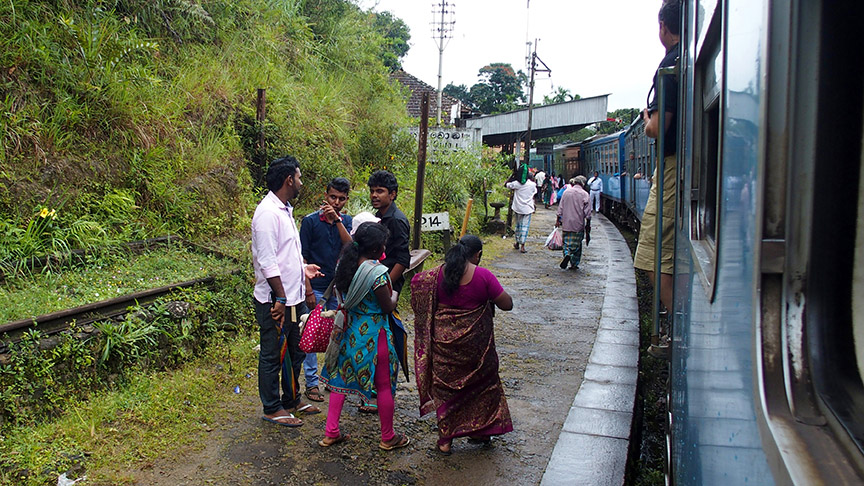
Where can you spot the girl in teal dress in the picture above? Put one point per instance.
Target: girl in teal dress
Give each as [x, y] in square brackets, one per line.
[361, 357]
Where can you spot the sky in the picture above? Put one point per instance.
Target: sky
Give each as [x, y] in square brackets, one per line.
[593, 47]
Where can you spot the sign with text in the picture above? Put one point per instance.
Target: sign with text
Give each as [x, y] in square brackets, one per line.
[435, 222]
[450, 139]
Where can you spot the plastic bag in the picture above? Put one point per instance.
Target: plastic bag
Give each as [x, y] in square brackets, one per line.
[555, 240]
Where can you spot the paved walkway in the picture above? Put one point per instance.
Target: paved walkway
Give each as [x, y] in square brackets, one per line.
[592, 447]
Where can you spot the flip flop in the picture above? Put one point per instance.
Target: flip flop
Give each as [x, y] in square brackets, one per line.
[337, 440]
[402, 441]
[276, 420]
[306, 409]
[366, 407]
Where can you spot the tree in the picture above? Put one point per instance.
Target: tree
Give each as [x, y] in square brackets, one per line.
[560, 96]
[499, 89]
[396, 36]
[617, 120]
[459, 92]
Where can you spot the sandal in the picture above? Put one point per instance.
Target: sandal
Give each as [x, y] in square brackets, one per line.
[306, 409]
[314, 394]
[332, 441]
[399, 441]
[367, 407]
[479, 440]
[292, 421]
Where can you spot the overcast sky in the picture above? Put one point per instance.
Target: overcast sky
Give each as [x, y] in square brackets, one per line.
[593, 47]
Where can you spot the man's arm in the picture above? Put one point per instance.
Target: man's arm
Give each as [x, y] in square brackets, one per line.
[401, 250]
[652, 121]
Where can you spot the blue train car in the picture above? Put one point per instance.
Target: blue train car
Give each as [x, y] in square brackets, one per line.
[606, 156]
[639, 165]
[767, 325]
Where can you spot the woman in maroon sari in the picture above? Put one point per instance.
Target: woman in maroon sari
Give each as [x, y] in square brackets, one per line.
[454, 346]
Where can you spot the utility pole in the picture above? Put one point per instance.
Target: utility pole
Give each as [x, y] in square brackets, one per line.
[442, 31]
[534, 61]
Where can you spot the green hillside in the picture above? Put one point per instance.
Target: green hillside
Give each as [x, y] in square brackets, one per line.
[132, 118]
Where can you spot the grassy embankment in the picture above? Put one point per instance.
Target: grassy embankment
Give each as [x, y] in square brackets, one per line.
[129, 119]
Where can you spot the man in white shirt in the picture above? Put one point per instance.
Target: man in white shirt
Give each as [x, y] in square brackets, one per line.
[596, 185]
[280, 284]
[539, 177]
[523, 206]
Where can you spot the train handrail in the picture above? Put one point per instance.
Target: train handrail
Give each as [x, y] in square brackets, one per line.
[660, 182]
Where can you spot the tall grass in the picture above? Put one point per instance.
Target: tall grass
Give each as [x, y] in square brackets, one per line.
[155, 99]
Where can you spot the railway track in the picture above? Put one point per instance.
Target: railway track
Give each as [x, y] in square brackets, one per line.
[59, 321]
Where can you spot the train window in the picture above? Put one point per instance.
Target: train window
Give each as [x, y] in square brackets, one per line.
[708, 116]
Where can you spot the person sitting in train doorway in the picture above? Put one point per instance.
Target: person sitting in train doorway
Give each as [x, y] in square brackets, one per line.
[574, 213]
[322, 236]
[523, 207]
[596, 185]
[670, 28]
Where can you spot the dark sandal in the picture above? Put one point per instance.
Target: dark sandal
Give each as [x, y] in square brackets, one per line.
[306, 409]
[479, 440]
[333, 441]
[401, 440]
[314, 394]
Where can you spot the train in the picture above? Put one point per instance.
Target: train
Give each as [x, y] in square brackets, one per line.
[766, 349]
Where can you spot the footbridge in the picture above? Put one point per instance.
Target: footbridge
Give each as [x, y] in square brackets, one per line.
[546, 120]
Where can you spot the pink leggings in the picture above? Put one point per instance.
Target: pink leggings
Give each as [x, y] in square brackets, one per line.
[386, 406]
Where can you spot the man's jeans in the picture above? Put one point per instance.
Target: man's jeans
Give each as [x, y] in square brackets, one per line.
[270, 364]
[310, 364]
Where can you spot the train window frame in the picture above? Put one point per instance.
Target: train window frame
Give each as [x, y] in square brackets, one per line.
[709, 78]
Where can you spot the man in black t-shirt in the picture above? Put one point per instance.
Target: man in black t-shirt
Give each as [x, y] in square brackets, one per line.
[670, 30]
[383, 188]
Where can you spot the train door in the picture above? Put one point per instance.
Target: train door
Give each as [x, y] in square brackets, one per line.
[810, 320]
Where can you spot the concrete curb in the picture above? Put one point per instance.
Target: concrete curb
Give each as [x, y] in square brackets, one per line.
[593, 444]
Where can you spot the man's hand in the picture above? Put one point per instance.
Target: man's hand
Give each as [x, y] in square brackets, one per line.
[330, 214]
[312, 271]
[646, 115]
[311, 301]
[277, 312]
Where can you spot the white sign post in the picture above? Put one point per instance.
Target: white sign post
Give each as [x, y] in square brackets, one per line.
[435, 222]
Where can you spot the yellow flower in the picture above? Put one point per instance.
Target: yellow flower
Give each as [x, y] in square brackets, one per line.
[43, 213]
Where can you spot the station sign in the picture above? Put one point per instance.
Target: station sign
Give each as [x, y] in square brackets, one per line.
[435, 222]
[449, 139]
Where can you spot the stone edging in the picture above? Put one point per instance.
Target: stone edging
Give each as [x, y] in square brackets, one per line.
[593, 445]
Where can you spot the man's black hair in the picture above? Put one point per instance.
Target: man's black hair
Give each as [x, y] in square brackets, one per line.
[670, 15]
[279, 170]
[383, 178]
[341, 184]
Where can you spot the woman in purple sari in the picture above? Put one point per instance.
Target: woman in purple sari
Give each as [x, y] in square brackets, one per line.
[454, 346]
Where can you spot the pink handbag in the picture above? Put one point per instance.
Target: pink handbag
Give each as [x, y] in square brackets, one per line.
[316, 333]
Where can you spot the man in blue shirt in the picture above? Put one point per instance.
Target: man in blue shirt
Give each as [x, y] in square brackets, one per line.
[322, 236]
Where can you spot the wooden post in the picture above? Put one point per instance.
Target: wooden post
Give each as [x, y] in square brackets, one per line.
[421, 169]
[465, 219]
[260, 116]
